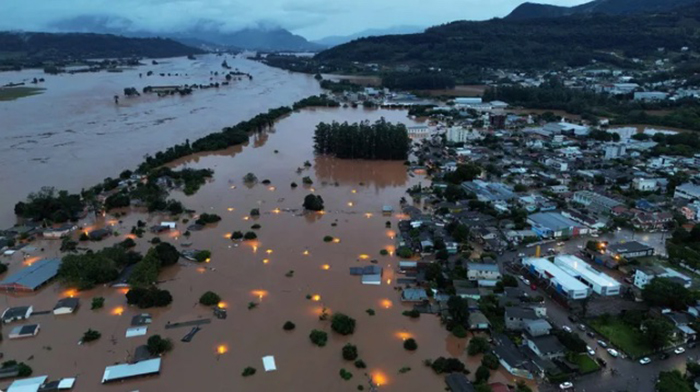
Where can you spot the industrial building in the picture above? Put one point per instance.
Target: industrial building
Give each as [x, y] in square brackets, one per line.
[596, 202]
[599, 282]
[562, 281]
[130, 370]
[555, 225]
[32, 277]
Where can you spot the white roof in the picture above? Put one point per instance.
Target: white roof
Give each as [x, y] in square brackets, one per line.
[128, 370]
[580, 267]
[269, 363]
[66, 383]
[136, 331]
[567, 281]
[27, 384]
[374, 279]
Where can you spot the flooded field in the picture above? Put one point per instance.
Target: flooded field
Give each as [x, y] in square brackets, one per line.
[73, 135]
[257, 271]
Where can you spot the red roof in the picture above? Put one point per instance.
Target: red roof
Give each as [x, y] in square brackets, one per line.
[499, 387]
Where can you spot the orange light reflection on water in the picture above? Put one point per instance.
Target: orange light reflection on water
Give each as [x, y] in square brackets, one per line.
[118, 311]
[379, 378]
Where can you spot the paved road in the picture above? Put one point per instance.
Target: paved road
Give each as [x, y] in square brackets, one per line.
[630, 375]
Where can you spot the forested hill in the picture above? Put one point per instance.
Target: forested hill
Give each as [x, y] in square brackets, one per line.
[64, 46]
[608, 7]
[501, 43]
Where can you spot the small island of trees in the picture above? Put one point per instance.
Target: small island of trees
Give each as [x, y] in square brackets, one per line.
[381, 140]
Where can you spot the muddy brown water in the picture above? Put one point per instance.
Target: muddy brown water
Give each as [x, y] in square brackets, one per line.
[255, 271]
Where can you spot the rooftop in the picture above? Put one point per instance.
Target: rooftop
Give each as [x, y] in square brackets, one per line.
[566, 280]
[629, 247]
[552, 220]
[483, 267]
[580, 267]
[547, 344]
[128, 370]
[34, 276]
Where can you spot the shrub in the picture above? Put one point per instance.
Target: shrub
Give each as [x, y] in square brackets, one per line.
[288, 326]
[167, 254]
[477, 345]
[307, 181]
[157, 345]
[410, 344]
[255, 226]
[448, 365]
[209, 298]
[155, 240]
[328, 239]
[345, 375]
[294, 185]
[97, 303]
[237, 235]
[342, 324]
[490, 361]
[313, 203]
[127, 243]
[248, 371]
[250, 178]
[482, 374]
[404, 369]
[459, 332]
[384, 252]
[413, 313]
[148, 297]
[250, 235]
[404, 252]
[207, 218]
[360, 364]
[318, 338]
[202, 256]
[349, 352]
[370, 312]
[252, 305]
[91, 335]
[255, 212]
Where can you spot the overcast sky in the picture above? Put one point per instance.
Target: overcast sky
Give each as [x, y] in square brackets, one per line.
[311, 18]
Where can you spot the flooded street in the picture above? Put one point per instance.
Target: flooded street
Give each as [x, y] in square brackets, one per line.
[73, 135]
[257, 271]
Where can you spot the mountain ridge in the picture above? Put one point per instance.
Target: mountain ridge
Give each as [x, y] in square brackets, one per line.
[335, 40]
[531, 10]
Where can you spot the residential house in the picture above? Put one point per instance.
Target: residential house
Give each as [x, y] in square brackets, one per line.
[16, 313]
[512, 359]
[555, 225]
[539, 327]
[547, 346]
[688, 191]
[645, 274]
[516, 318]
[66, 306]
[652, 221]
[480, 271]
[595, 202]
[478, 321]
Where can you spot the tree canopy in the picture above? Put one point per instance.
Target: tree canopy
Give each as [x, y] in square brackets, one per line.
[363, 140]
[666, 293]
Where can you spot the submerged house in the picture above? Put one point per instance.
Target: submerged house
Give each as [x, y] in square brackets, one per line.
[32, 277]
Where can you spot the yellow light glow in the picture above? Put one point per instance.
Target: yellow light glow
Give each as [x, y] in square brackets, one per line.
[207, 260]
[124, 290]
[70, 293]
[325, 267]
[306, 252]
[316, 297]
[265, 261]
[391, 234]
[221, 349]
[336, 240]
[31, 260]
[388, 281]
[276, 211]
[201, 270]
[222, 305]
[228, 235]
[350, 204]
[260, 293]
[386, 303]
[272, 188]
[364, 256]
[118, 311]
[354, 191]
[233, 187]
[322, 212]
[246, 218]
[269, 251]
[403, 335]
[379, 378]
[230, 209]
[312, 189]
[368, 214]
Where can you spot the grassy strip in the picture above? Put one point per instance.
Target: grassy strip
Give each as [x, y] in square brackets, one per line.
[622, 336]
[12, 93]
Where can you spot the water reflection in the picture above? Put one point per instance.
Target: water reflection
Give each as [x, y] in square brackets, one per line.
[376, 174]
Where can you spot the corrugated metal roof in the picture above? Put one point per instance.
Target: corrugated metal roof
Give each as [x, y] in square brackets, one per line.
[552, 220]
[27, 385]
[128, 370]
[33, 276]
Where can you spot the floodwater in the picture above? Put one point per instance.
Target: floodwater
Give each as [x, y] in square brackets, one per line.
[256, 272]
[73, 135]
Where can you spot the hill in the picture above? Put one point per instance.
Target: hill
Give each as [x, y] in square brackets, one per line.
[335, 40]
[522, 44]
[608, 7]
[270, 40]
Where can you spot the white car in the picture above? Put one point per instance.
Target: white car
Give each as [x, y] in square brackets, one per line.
[560, 244]
[644, 360]
[590, 350]
[566, 385]
[521, 254]
[579, 246]
[679, 350]
[524, 280]
[602, 344]
[613, 353]
[567, 329]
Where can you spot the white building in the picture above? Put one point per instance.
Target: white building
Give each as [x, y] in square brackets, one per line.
[462, 135]
[599, 282]
[625, 133]
[467, 101]
[481, 271]
[645, 185]
[418, 132]
[614, 150]
[688, 191]
[645, 274]
[563, 282]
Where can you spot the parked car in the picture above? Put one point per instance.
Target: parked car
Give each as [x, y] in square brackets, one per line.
[645, 360]
[590, 350]
[533, 287]
[679, 350]
[521, 254]
[524, 280]
[601, 362]
[602, 344]
[590, 334]
[567, 329]
[561, 243]
[664, 356]
[582, 327]
[566, 385]
[613, 353]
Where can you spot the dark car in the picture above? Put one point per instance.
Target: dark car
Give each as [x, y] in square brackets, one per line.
[601, 362]
[572, 319]
[590, 334]
[664, 356]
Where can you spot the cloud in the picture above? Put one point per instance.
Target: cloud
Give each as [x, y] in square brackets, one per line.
[312, 18]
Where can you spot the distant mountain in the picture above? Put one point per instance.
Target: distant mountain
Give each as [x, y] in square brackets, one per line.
[530, 43]
[336, 40]
[63, 46]
[202, 34]
[609, 7]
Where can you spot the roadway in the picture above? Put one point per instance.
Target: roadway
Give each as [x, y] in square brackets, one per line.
[628, 375]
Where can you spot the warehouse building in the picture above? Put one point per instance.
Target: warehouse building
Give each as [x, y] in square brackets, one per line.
[555, 225]
[32, 277]
[599, 282]
[563, 282]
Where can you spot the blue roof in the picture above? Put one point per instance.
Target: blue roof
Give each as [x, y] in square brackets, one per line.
[552, 220]
[33, 276]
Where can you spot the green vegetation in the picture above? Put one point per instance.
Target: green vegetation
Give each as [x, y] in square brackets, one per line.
[490, 361]
[315, 101]
[205, 219]
[571, 340]
[585, 363]
[666, 293]
[448, 365]
[384, 252]
[622, 335]
[381, 140]
[91, 335]
[313, 202]
[87, 270]
[209, 298]
[410, 344]
[672, 381]
[340, 86]
[117, 200]
[97, 303]
[404, 252]
[157, 345]
[360, 364]
[248, 371]
[23, 369]
[190, 179]
[12, 93]
[482, 374]
[202, 256]
[418, 80]
[148, 297]
[345, 375]
[237, 235]
[342, 324]
[250, 235]
[318, 338]
[477, 345]
[459, 331]
[252, 305]
[328, 238]
[350, 352]
[146, 271]
[50, 205]
[288, 326]
[370, 312]
[413, 313]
